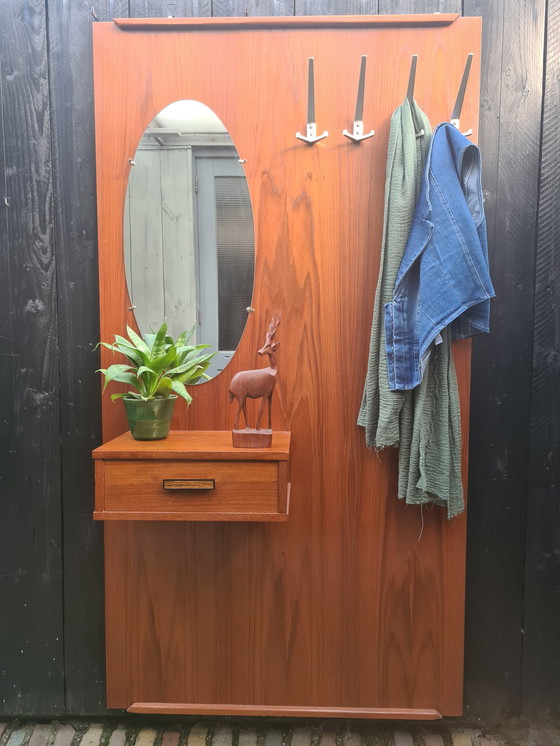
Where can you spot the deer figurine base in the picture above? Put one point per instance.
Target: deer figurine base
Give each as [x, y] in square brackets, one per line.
[251, 438]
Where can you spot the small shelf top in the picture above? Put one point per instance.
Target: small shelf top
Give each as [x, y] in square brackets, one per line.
[199, 445]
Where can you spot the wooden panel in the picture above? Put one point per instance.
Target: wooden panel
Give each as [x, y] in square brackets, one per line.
[351, 603]
[510, 141]
[31, 650]
[541, 649]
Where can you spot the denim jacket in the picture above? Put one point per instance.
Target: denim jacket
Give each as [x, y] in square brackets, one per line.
[443, 279]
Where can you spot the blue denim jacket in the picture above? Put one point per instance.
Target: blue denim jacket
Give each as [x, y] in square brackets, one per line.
[443, 279]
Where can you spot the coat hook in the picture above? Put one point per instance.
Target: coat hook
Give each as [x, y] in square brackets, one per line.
[411, 84]
[456, 113]
[311, 132]
[357, 134]
[411, 79]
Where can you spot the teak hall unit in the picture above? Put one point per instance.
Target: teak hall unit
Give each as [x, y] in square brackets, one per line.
[347, 602]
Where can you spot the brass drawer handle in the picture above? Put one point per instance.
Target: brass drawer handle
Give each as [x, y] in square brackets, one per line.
[189, 484]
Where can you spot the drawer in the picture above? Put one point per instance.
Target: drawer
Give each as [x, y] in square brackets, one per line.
[191, 490]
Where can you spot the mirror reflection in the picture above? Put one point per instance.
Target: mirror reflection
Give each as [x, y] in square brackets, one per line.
[188, 230]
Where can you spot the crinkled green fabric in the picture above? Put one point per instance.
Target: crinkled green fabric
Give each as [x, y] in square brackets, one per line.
[424, 422]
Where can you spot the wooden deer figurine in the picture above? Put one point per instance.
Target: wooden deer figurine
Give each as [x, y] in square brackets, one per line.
[256, 384]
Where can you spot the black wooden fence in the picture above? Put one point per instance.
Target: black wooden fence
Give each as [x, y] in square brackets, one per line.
[51, 605]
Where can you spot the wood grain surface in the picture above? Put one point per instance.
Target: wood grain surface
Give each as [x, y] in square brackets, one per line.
[358, 600]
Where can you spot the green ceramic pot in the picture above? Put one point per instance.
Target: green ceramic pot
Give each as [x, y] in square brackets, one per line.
[149, 420]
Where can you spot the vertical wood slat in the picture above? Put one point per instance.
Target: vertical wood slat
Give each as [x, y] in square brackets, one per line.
[178, 226]
[31, 672]
[70, 53]
[336, 7]
[228, 8]
[164, 8]
[541, 651]
[145, 283]
[510, 116]
[420, 6]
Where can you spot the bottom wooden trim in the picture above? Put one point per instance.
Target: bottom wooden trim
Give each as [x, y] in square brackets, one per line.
[375, 713]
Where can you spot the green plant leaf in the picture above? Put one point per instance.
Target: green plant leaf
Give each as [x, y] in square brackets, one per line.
[162, 364]
[185, 349]
[128, 378]
[201, 362]
[126, 348]
[184, 337]
[103, 344]
[145, 369]
[137, 341]
[165, 385]
[179, 370]
[114, 373]
[179, 389]
[158, 347]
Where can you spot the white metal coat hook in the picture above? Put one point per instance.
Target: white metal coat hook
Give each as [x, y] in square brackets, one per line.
[311, 135]
[357, 134]
[456, 113]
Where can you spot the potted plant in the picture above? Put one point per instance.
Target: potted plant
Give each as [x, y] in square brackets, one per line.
[158, 368]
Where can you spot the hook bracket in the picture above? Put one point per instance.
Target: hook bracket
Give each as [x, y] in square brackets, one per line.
[357, 134]
[311, 135]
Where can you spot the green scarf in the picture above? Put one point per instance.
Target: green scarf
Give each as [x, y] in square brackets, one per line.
[425, 422]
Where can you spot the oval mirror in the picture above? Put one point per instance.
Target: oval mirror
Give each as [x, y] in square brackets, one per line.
[188, 231]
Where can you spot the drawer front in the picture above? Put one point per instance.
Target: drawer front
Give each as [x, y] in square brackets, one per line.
[191, 486]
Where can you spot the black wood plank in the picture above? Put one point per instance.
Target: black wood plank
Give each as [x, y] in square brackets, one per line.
[71, 81]
[31, 654]
[499, 436]
[541, 670]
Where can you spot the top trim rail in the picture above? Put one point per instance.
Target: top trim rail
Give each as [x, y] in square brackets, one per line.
[279, 22]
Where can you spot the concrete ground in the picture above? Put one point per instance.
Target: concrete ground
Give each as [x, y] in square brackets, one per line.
[274, 733]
